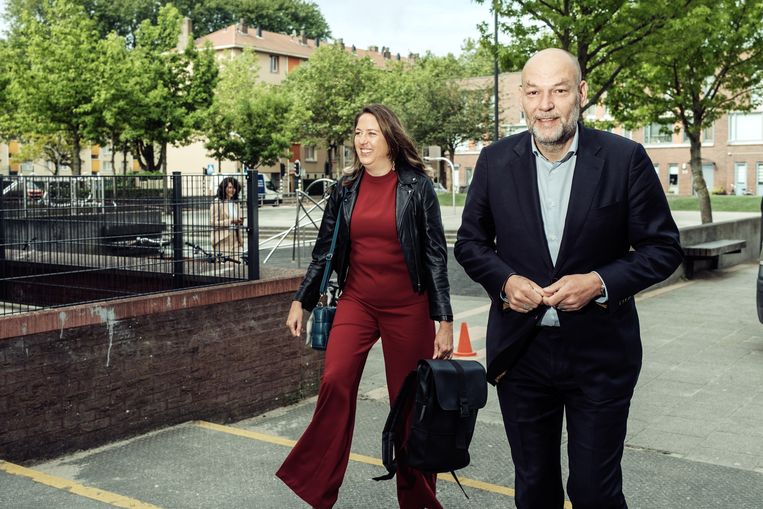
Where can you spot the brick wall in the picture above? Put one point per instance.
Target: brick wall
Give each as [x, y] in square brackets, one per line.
[80, 376]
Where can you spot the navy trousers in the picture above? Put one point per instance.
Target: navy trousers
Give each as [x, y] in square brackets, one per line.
[534, 396]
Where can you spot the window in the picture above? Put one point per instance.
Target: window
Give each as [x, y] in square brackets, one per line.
[274, 63]
[673, 178]
[707, 135]
[627, 133]
[310, 153]
[746, 127]
[657, 133]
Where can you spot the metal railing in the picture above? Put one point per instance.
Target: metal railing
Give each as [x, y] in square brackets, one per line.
[68, 240]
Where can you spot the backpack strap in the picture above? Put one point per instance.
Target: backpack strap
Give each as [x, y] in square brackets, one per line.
[393, 432]
[463, 404]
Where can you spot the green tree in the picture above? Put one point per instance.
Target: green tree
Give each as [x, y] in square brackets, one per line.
[53, 65]
[122, 17]
[607, 36]
[249, 120]
[476, 59]
[329, 90]
[117, 93]
[695, 78]
[174, 90]
[125, 16]
[436, 106]
[54, 148]
[5, 93]
[282, 16]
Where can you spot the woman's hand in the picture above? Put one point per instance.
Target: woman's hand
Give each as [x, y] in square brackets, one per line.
[294, 320]
[443, 341]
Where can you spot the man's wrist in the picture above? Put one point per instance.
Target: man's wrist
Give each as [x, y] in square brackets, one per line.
[502, 293]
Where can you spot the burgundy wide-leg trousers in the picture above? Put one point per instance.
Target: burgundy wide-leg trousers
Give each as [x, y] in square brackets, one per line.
[315, 468]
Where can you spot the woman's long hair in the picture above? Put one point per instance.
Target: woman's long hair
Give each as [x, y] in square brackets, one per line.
[221, 189]
[401, 147]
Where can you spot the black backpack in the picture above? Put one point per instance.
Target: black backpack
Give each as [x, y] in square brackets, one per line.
[447, 396]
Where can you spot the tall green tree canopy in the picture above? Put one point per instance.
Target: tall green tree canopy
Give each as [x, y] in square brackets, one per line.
[282, 16]
[694, 78]
[125, 16]
[174, 90]
[53, 65]
[250, 121]
[605, 35]
[329, 90]
[435, 105]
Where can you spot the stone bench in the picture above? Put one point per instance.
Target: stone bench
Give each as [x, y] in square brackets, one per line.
[710, 251]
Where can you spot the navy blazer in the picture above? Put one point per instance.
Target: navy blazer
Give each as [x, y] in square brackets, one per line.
[618, 223]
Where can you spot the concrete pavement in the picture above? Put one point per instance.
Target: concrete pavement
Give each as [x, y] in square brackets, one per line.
[694, 440]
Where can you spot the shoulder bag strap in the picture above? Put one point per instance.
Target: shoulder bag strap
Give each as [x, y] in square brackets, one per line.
[330, 254]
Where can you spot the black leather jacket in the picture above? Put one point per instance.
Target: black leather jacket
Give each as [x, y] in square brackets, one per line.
[419, 228]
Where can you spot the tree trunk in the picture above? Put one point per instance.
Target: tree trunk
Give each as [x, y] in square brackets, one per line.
[163, 157]
[329, 161]
[700, 186]
[125, 151]
[76, 147]
[113, 154]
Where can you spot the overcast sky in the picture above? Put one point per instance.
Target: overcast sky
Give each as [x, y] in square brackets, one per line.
[405, 26]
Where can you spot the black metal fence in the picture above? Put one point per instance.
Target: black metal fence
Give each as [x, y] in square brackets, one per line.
[66, 240]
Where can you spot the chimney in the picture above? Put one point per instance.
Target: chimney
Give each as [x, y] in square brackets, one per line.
[302, 38]
[387, 54]
[185, 34]
[259, 31]
[373, 49]
[317, 42]
[398, 57]
[241, 27]
[354, 49]
[413, 56]
[341, 43]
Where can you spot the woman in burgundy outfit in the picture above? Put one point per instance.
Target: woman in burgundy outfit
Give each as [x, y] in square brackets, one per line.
[391, 262]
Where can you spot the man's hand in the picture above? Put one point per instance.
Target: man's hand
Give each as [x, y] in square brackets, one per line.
[523, 295]
[572, 292]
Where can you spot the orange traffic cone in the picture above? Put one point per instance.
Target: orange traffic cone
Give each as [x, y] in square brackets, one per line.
[464, 343]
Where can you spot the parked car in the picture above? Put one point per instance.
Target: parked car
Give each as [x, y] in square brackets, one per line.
[13, 190]
[266, 190]
[439, 188]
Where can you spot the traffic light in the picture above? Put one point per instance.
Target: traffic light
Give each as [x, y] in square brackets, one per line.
[283, 169]
[327, 168]
[297, 168]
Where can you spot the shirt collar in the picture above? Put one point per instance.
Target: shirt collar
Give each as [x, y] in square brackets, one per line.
[572, 150]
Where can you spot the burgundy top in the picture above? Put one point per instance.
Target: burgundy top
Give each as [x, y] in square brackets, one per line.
[378, 274]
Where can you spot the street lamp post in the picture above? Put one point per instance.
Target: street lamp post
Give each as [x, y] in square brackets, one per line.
[453, 176]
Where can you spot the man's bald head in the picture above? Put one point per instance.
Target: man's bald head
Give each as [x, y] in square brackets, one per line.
[552, 92]
[554, 58]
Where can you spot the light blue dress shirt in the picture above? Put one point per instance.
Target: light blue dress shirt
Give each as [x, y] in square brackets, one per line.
[554, 188]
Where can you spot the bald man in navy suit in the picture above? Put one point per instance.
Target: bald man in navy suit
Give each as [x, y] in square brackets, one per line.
[562, 226]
